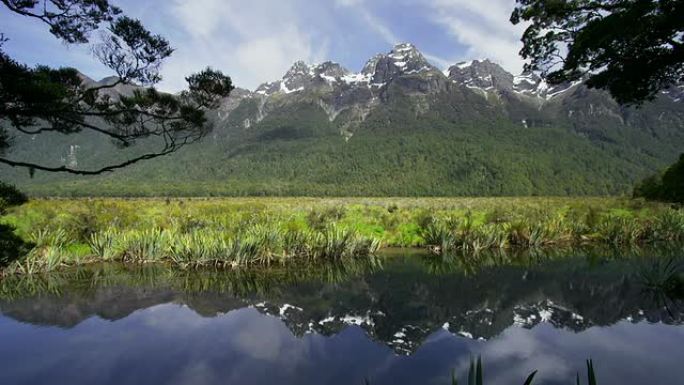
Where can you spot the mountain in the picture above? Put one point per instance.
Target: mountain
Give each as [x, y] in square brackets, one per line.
[400, 126]
[400, 305]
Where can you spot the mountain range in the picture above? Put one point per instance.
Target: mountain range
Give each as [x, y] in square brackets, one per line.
[400, 306]
[400, 126]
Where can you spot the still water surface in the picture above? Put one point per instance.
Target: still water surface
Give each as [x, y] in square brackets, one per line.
[400, 320]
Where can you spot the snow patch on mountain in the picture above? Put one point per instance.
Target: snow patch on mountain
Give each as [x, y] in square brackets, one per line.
[465, 64]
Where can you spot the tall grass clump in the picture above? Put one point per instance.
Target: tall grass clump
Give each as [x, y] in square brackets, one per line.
[619, 231]
[51, 249]
[476, 374]
[198, 248]
[439, 238]
[616, 228]
[336, 243]
[106, 245]
[669, 226]
[145, 245]
[250, 231]
[260, 244]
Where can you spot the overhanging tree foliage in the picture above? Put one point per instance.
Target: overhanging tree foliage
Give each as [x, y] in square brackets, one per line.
[11, 246]
[667, 186]
[632, 48]
[42, 99]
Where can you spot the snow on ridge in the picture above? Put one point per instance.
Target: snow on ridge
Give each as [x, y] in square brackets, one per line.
[517, 80]
[356, 78]
[542, 86]
[357, 320]
[554, 94]
[404, 47]
[465, 64]
[283, 309]
[284, 89]
[417, 71]
[547, 311]
[465, 334]
[350, 319]
[328, 78]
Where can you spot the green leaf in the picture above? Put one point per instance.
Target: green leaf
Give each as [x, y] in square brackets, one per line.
[479, 378]
[530, 378]
[590, 372]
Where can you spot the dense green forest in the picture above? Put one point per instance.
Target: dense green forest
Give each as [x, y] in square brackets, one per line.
[665, 186]
[451, 142]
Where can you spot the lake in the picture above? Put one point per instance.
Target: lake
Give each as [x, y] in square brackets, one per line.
[403, 318]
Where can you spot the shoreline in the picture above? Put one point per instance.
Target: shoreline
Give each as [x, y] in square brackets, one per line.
[236, 232]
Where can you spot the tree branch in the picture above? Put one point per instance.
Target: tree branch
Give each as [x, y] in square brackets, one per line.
[63, 169]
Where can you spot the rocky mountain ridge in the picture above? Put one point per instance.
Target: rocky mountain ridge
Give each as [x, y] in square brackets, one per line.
[337, 89]
[400, 126]
[399, 315]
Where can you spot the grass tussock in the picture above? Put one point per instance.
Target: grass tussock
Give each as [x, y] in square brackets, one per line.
[448, 236]
[258, 245]
[241, 232]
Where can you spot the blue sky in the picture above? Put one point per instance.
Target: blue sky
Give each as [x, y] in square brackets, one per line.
[255, 41]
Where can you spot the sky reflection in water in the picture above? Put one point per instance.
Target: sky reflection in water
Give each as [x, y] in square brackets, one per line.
[148, 331]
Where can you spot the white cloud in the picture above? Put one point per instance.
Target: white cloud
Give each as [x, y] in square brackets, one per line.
[269, 56]
[484, 27]
[438, 61]
[373, 22]
[251, 41]
[258, 40]
[377, 25]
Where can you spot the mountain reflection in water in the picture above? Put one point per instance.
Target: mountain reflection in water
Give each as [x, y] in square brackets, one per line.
[400, 319]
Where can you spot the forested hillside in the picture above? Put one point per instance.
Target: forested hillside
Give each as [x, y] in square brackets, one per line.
[399, 127]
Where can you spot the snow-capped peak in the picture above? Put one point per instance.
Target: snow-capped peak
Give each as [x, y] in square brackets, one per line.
[485, 76]
[329, 71]
[403, 59]
[298, 68]
[480, 75]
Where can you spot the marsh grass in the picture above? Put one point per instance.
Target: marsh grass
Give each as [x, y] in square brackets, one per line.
[240, 232]
[256, 281]
[262, 244]
[476, 375]
[448, 236]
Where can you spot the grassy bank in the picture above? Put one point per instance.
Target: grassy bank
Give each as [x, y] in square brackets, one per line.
[234, 232]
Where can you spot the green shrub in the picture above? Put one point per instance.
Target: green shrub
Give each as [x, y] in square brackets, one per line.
[10, 196]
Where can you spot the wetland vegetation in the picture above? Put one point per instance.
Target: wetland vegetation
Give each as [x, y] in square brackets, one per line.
[192, 233]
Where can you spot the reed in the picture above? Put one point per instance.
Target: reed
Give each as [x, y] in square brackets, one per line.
[443, 237]
[476, 374]
[243, 232]
[261, 244]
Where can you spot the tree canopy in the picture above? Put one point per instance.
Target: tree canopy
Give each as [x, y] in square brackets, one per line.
[667, 186]
[43, 99]
[11, 246]
[631, 48]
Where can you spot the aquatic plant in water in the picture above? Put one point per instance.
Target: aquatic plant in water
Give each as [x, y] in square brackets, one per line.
[476, 375]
